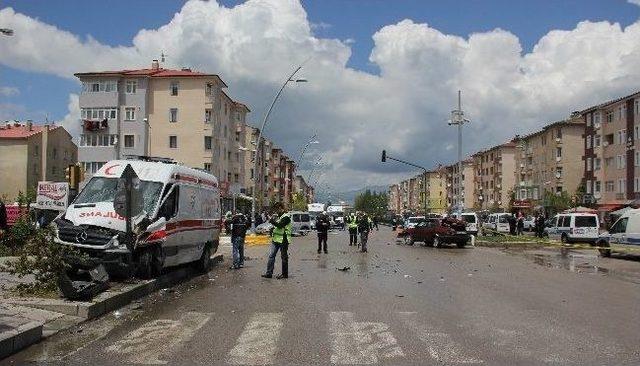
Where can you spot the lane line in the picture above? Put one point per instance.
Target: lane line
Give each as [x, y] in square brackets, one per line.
[441, 345]
[154, 342]
[360, 343]
[258, 343]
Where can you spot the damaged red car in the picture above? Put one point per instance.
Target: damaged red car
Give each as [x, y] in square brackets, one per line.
[437, 232]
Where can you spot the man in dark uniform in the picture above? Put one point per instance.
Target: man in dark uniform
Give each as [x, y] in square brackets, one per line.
[364, 225]
[322, 227]
[238, 232]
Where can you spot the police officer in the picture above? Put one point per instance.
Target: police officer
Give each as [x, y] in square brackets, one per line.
[280, 241]
[322, 227]
[364, 225]
[353, 229]
[238, 233]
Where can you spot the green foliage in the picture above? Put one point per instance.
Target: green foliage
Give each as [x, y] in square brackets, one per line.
[42, 258]
[556, 203]
[299, 202]
[17, 235]
[374, 204]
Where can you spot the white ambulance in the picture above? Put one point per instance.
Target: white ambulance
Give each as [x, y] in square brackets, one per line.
[623, 236]
[179, 223]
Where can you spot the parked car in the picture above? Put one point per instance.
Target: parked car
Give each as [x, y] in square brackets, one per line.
[179, 220]
[574, 227]
[437, 232]
[529, 223]
[264, 228]
[300, 222]
[413, 221]
[498, 222]
[623, 236]
[472, 220]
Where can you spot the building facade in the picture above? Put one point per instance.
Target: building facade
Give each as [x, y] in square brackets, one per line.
[30, 153]
[494, 177]
[612, 155]
[550, 160]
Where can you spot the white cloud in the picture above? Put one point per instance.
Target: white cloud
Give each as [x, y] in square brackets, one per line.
[9, 91]
[71, 122]
[635, 2]
[357, 114]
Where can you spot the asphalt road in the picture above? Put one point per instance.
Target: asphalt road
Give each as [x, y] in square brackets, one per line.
[396, 305]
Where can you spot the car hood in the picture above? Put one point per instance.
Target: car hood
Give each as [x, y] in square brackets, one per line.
[100, 214]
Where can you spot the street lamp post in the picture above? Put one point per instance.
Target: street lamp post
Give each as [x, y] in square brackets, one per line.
[312, 140]
[457, 119]
[258, 141]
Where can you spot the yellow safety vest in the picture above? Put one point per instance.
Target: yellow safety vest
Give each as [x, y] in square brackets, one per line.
[352, 222]
[279, 232]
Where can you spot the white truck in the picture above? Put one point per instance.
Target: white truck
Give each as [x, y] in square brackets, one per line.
[336, 212]
[179, 222]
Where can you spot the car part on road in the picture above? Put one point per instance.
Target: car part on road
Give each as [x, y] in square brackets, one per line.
[436, 242]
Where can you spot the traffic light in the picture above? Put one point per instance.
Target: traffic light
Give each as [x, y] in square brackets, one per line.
[384, 155]
[73, 176]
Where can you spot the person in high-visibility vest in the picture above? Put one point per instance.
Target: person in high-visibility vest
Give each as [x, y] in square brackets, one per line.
[353, 229]
[280, 240]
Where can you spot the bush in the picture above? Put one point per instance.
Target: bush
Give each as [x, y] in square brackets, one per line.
[41, 257]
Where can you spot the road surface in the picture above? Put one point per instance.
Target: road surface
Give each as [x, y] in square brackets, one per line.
[396, 305]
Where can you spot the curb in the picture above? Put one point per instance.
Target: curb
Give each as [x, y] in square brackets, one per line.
[16, 339]
[110, 300]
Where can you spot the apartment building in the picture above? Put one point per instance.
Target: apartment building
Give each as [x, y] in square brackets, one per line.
[460, 190]
[494, 176]
[394, 200]
[31, 153]
[436, 193]
[612, 157]
[301, 186]
[550, 160]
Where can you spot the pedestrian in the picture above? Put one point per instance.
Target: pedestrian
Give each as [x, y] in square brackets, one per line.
[512, 224]
[322, 227]
[375, 222]
[540, 221]
[364, 226]
[238, 233]
[394, 224]
[353, 229]
[280, 241]
[520, 223]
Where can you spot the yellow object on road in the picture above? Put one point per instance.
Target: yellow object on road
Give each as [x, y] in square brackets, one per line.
[251, 240]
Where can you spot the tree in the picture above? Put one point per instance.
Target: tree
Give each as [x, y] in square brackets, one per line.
[374, 204]
[555, 203]
[299, 202]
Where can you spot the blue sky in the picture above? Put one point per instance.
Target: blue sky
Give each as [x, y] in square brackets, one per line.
[119, 21]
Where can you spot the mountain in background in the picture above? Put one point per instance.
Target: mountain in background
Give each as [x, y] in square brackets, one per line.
[348, 196]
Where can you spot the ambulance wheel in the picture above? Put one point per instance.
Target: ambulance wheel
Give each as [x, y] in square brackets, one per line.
[204, 263]
[149, 263]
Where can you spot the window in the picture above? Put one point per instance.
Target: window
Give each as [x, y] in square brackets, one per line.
[173, 142]
[589, 187]
[609, 116]
[228, 177]
[620, 226]
[101, 113]
[238, 136]
[129, 114]
[208, 89]
[129, 141]
[636, 161]
[636, 184]
[636, 132]
[229, 155]
[597, 188]
[174, 88]
[95, 87]
[564, 221]
[622, 137]
[237, 156]
[589, 164]
[207, 142]
[589, 118]
[92, 167]
[559, 172]
[207, 167]
[608, 162]
[596, 141]
[585, 221]
[132, 87]
[620, 161]
[251, 173]
[225, 132]
[621, 185]
[97, 140]
[596, 119]
[173, 115]
[236, 178]
[110, 86]
[609, 186]
[588, 142]
[558, 152]
[207, 115]
[54, 153]
[559, 133]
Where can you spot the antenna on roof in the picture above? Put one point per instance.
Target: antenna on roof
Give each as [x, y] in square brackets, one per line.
[162, 56]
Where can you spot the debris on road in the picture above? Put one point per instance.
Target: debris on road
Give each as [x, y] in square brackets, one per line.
[343, 269]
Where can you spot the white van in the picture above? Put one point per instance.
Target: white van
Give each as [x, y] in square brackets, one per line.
[498, 222]
[574, 227]
[180, 221]
[300, 222]
[473, 223]
[623, 236]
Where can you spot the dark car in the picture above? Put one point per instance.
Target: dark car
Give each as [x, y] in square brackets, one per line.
[437, 232]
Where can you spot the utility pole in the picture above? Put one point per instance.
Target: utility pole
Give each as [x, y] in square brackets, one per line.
[457, 119]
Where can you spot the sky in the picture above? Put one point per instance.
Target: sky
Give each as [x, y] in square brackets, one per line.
[382, 75]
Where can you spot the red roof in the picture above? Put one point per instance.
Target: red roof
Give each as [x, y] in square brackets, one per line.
[156, 73]
[21, 132]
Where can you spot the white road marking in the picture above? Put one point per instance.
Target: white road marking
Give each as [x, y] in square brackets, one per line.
[441, 345]
[360, 342]
[258, 342]
[155, 341]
